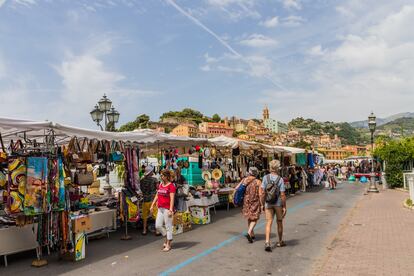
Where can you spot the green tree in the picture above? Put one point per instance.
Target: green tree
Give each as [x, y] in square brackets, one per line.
[216, 118]
[302, 144]
[140, 122]
[395, 154]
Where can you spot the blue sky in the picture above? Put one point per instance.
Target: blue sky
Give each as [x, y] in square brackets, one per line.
[325, 59]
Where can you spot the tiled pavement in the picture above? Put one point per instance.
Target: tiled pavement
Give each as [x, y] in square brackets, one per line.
[376, 238]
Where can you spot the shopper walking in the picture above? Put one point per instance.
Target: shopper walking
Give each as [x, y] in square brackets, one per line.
[273, 194]
[148, 186]
[252, 201]
[165, 203]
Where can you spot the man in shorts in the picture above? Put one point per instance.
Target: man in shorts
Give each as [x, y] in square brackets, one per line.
[278, 208]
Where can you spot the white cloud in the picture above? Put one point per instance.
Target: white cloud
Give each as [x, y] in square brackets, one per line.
[236, 9]
[316, 51]
[258, 41]
[292, 4]
[26, 3]
[205, 68]
[2, 2]
[371, 69]
[271, 22]
[293, 21]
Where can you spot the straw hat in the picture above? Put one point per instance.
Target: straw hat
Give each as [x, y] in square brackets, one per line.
[217, 174]
[206, 175]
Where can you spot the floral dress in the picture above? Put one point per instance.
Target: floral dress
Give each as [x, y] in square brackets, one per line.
[251, 204]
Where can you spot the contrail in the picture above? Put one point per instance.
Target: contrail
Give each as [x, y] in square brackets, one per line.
[219, 39]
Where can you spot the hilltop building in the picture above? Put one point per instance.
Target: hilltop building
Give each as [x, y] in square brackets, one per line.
[273, 125]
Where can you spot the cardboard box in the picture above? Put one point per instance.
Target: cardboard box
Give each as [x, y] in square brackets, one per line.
[81, 224]
[178, 229]
[178, 218]
[200, 215]
[187, 227]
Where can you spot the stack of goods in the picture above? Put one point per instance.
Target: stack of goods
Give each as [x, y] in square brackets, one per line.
[181, 222]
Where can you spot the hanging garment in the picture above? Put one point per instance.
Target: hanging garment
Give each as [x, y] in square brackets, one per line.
[301, 159]
[311, 162]
[36, 186]
[16, 184]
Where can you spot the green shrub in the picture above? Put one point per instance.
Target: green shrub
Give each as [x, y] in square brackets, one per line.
[395, 153]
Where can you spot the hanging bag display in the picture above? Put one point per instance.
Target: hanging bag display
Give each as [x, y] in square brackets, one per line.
[85, 154]
[83, 177]
[116, 155]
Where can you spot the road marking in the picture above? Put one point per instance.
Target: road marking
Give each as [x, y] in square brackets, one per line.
[224, 243]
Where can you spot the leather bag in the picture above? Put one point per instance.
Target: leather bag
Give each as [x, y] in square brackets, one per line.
[83, 178]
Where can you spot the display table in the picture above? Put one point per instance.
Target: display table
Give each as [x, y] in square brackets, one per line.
[204, 201]
[102, 222]
[18, 239]
[226, 193]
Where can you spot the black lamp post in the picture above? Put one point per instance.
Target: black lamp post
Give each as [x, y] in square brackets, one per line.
[372, 124]
[104, 109]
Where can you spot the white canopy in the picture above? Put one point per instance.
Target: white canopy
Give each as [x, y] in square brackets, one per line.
[229, 142]
[13, 129]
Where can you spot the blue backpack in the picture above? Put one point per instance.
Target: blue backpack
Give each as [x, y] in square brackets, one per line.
[239, 195]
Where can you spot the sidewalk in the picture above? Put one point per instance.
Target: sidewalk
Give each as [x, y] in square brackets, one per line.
[376, 238]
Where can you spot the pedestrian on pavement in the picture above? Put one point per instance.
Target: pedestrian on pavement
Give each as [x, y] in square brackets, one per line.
[292, 181]
[304, 179]
[273, 195]
[252, 204]
[148, 186]
[165, 203]
[331, 178]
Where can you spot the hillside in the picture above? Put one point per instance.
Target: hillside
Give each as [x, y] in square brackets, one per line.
[347, 133]
[383, 121]
[401, 126]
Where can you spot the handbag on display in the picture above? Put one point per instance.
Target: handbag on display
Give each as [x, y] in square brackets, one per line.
[83, 177]
[116, 155]
[101, 152]
[93, 147]
[85, 153]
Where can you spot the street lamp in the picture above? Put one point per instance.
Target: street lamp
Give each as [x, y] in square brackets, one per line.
[113, 116]
[372, 124]
[104, 109]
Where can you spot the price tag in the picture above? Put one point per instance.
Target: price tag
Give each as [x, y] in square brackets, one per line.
[134, 199]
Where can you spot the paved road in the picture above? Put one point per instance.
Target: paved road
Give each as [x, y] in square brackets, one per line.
[215, 249]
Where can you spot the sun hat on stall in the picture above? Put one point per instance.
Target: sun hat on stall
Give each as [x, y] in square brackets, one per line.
[216, 174]
[148, 170]
[206, 175]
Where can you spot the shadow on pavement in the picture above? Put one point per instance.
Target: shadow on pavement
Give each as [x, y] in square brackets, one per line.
[184, 245]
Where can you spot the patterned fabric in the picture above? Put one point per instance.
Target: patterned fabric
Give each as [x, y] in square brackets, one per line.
[149, 188]
[251, 204]
[16, 185]
[36, 186]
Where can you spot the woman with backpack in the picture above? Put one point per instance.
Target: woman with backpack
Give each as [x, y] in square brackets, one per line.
[273, 195]
[251, 201]
[165, 203]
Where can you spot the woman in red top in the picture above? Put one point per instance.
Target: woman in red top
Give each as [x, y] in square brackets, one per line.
[165, 203]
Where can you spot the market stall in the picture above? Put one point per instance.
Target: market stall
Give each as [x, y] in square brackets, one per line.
[51, 180]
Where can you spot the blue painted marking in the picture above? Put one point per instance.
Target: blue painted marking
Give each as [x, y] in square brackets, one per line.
[224, 243]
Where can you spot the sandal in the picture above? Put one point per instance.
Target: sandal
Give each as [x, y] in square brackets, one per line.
[144, 233]
[166, 249]
[280, 244]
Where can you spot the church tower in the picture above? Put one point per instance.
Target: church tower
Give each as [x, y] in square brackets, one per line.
[266, 115]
